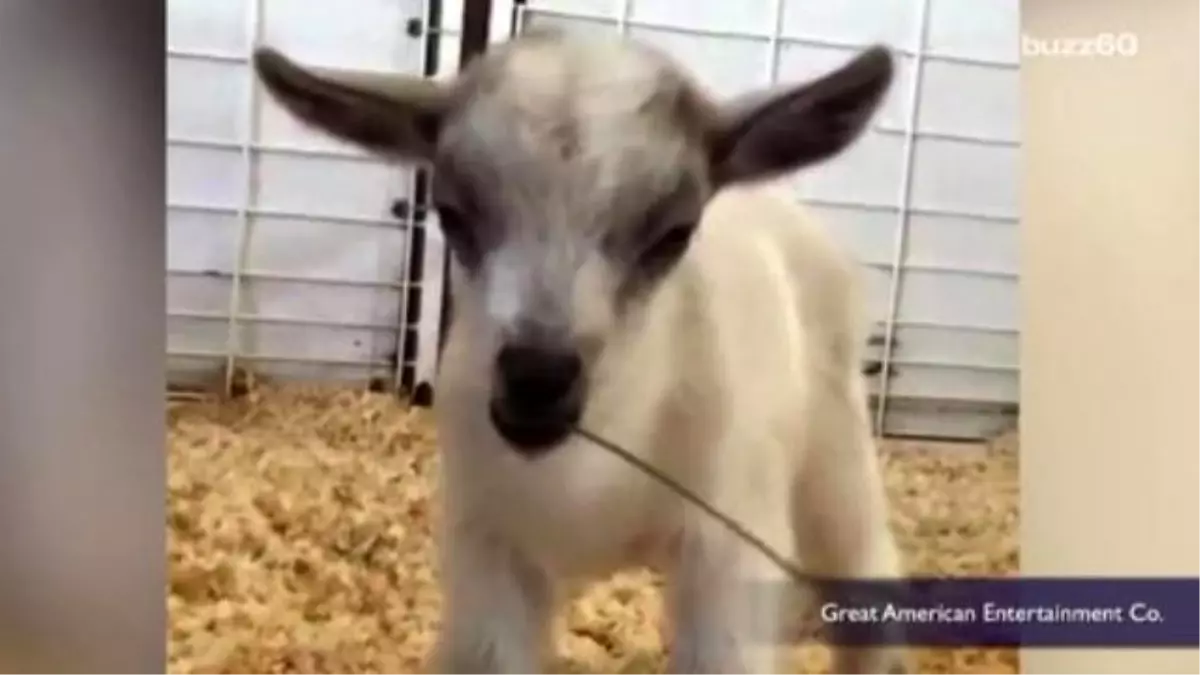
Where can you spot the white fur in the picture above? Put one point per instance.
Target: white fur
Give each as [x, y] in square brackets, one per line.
[744, 383]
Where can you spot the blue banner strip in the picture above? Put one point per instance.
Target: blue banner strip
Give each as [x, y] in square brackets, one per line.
[1013, 612]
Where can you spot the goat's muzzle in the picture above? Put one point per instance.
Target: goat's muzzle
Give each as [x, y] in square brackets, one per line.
[537, 396]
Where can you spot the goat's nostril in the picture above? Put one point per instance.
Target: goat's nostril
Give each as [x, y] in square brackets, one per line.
[537, 375]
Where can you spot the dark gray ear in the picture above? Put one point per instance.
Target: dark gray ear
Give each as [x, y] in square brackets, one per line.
[784, 131]
[396, 116]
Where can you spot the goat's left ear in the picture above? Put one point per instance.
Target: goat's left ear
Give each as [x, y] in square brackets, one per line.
[390, 115]
[802, 125]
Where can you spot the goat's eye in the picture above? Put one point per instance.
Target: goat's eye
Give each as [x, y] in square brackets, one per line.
[668, 247]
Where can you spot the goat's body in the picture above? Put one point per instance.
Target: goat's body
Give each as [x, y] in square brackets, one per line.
[740, 379]
[619, 265]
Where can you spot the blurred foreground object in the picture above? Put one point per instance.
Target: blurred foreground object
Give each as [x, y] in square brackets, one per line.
[81, 284]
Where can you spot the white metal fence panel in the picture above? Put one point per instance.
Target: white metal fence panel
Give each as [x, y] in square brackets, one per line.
[927, 199]
[284, 252]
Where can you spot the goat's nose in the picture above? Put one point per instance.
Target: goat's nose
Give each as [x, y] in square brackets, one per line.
[536, 377]
[538, 397]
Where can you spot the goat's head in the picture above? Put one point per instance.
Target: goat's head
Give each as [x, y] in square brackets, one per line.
[569, 177]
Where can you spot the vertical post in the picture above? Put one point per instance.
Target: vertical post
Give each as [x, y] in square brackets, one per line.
[415, 216]
[254, 15]
[773, 45]
[476, 25]
[623, 10]
[900, 244]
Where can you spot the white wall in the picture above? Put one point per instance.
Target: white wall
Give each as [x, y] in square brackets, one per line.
[931, 191]
[323, 267]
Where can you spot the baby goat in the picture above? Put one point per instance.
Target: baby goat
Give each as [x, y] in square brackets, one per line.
[621, 266]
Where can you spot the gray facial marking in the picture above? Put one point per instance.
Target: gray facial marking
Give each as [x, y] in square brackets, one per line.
[561, 152]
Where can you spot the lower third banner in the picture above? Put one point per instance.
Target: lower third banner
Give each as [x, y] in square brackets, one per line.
[1013, 612]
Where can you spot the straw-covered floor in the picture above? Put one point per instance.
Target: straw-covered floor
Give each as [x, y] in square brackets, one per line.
[299, 541]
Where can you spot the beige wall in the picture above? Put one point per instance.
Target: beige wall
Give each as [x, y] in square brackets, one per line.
[1109, 244]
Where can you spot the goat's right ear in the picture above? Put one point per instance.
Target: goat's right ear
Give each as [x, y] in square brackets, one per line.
[773, 133]
[395, 116]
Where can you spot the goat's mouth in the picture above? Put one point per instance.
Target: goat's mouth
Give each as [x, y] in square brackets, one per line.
[534, 432]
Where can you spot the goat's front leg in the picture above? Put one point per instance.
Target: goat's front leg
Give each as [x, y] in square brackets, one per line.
[497, 606]
[842, 527]
[726, 598]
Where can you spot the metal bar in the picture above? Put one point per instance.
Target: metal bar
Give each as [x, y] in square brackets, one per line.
[429, 261]
[803, 40]
[900, 245]
[945, 269]
[203, 55]
[476, 24]
[333, 219]
[623, 11]
[912, 210]
[960, 327]
[948, 403]
[933, 134]
[282, 358]
[254, 23]
[874, 366]
[991, 405]
[271, 148]
[520, 7]
[282, 321]
[957, 365]
[285, 278]
[966, 443]
[191, 54]
[423, 255]
[433, 260]
[773, 46]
